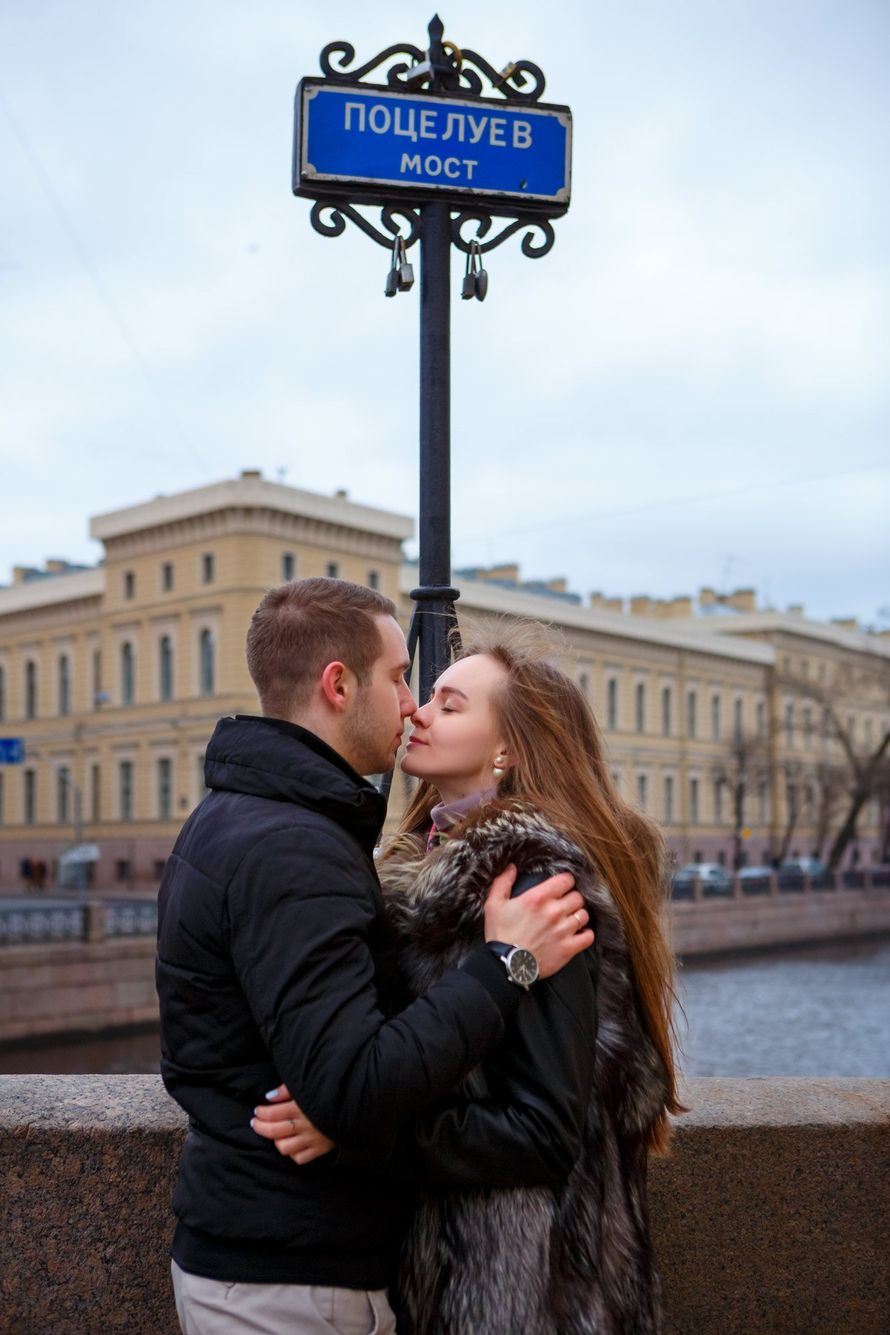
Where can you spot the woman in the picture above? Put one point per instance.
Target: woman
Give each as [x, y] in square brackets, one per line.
[511, 769]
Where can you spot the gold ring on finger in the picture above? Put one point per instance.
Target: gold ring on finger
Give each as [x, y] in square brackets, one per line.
[293, 1125]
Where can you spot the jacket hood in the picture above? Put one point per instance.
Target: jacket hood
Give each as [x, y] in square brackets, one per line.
[275, 759]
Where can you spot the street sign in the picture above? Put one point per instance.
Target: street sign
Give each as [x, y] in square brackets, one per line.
[380, 144]
[12, 750]
[72, 857]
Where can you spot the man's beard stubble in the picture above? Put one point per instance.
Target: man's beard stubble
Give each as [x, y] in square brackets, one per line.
[370, 753]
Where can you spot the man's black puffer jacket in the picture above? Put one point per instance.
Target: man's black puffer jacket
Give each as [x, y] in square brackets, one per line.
[273, 965]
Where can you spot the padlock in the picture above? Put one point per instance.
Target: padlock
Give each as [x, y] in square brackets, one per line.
[481, 275]
[406, 270]
[392, 278]
[468, 288]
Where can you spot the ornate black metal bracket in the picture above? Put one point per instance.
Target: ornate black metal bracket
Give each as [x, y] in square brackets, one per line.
[443, 66]
[339, 211]
[483, 226]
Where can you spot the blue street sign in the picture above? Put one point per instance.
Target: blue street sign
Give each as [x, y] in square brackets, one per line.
[390, 144]
[12, 750]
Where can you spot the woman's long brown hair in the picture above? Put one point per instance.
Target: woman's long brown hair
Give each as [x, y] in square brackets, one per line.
[557, 766]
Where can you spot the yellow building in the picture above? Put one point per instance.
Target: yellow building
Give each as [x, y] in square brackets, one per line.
[114, 677]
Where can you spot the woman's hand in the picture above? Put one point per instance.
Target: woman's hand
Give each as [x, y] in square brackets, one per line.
[290, 1128]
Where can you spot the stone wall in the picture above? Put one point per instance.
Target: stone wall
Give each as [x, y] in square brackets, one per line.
[771, 1216]
[716, 924]
[76, 987]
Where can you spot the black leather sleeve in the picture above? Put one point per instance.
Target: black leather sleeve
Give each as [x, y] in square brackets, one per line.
[526, 1129]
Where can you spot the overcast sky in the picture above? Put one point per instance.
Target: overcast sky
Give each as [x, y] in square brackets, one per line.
[691, 388]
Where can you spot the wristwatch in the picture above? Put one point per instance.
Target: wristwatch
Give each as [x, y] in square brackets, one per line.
[521, 965]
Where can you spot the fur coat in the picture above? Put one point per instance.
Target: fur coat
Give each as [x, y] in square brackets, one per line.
[572, 1260]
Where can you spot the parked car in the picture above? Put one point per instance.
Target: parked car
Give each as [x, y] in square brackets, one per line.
[715, 879]
[811, 867]
[755, 880]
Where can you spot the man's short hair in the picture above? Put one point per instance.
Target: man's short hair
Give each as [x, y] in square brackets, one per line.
[302, 626]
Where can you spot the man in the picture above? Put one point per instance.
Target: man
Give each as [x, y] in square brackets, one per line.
[273, 968]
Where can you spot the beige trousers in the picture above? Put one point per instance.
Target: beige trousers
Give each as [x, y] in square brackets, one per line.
[214, 1307]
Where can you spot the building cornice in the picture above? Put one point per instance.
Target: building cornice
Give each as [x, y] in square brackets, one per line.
[253, 493]
[479, 596]
[787, 623]
[61, 588]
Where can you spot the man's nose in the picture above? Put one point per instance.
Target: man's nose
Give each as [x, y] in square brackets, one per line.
[409, 704]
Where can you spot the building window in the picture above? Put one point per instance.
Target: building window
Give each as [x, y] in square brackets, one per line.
[693, 804]
[95, 792]
[691, 723]
[202, 782]
[718, 802]
[98, 697]
[668, 799]
[715, 718]
[761, 718]
[288, 566]
[807, 727]
[373, 579]
[666, 711]
[125, 789]
[762, 802]
[167, 576]
[2, 693]
[640, 707]
[333, 570]
[642, 791]
[63, 788]
[612, 704]
[205, 662]
[129, 584]
[165, 788]
[64, 684]
[737, 720]
[30, 689]
[791, 802]
[29, 795]
[122, 870]
[128, 674]
[160, 865]
[165, 667]
[789, 725]
[207, 568]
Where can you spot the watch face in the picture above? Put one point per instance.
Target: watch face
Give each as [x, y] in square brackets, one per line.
[523, 967]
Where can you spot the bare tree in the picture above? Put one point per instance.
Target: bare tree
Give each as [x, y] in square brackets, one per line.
[746, 763]
[830, 779]
[863, 766]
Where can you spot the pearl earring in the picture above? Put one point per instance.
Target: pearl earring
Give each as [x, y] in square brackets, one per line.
[498, 770]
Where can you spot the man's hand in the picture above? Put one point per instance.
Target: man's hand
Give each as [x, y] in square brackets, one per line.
[294, 1135]
[550, 919]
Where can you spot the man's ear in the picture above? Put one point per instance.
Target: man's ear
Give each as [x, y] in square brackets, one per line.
[335, 685]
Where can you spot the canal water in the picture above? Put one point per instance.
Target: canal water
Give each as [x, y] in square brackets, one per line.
[821, 1010]
[810, 1011]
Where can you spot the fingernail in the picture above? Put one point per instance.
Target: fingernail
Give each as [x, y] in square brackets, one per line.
[253, 1122]
[271, 1094]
